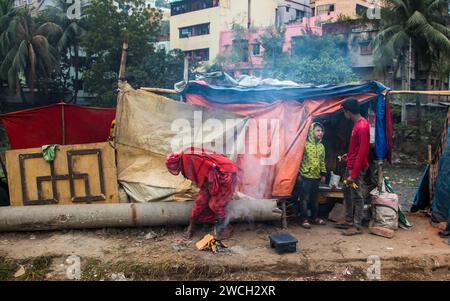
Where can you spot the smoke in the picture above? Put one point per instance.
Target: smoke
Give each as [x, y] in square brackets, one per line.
[245, 208]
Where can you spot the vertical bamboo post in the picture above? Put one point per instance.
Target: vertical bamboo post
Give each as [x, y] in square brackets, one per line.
[431, 172]
[284, 214]
[63, 124]
[186, 69]
[380, 176]
[123, 60]
[185, 73]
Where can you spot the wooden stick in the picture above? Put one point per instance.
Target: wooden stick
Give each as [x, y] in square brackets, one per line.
[123, 60]
[186, 69]
[441, 93]
[158, 90]
[431, 172]
[380, 175]
[284, 214]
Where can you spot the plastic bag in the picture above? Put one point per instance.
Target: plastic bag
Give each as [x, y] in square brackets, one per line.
[334, 180]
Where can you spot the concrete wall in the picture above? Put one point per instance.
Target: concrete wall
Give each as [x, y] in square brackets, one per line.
[292, 30]
[343, 7]
[221, 19]
[287, 10]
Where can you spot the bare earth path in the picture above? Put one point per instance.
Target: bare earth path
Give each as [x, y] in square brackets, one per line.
[322, 253]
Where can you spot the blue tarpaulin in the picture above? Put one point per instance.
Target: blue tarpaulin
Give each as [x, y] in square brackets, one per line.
[241, 95]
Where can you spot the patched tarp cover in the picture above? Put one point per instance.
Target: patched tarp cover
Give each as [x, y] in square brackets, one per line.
[149, 127]
[293, 110]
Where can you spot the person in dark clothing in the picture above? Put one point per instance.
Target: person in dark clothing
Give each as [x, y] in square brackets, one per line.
[357, 163]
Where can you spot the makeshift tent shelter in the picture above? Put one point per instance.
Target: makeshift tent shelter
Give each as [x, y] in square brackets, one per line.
[294, 108]
[434, 186]
[148, 127]
[57, 124]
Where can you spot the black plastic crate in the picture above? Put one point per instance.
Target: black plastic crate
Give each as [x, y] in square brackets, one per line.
[283, 243]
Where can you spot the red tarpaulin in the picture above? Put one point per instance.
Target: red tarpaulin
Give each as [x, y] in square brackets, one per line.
[58, 124]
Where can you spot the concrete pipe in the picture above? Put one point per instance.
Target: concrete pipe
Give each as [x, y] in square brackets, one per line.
[52, 217]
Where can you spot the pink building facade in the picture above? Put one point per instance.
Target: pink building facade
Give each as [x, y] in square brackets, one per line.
[254, 63]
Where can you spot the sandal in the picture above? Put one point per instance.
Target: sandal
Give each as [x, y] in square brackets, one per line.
[444, 234]
[319, 221]
[352, 231]
[343, 225]
[306, 225]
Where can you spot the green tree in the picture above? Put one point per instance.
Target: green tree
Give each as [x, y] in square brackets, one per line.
[6, 13]
[109, 23]
[239, 52]
[68, 43]
[419, 25]
[313, 59]
[28, 51]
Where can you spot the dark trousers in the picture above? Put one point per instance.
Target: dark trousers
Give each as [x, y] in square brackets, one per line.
[354, 200]
[307, 191]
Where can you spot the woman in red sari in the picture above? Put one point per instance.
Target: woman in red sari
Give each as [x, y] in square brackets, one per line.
[215, 176]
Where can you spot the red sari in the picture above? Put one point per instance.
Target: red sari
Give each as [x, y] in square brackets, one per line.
[213, 173]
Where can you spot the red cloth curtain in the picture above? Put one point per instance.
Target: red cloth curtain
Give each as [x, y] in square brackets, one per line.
[57, 124]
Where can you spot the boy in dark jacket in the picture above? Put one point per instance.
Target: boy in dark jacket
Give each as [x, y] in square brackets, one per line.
[312, 171]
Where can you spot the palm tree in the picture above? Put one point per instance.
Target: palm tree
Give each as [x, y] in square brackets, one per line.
[69, 41]
[28, 51]
[418, 25]
[6, 12]
[407, 27]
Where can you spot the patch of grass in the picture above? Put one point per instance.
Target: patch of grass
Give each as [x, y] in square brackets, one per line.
[38, 268]
[7, 269]
[93, 269]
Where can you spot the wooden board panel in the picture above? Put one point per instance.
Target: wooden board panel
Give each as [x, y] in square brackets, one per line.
[92, 169]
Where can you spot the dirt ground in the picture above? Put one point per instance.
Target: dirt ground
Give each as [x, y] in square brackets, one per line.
[155, 254]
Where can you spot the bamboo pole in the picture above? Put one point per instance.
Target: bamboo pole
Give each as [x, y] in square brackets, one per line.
[431, 172]
[158, 90]
[123, 60]
[380, 176]
[441, 93]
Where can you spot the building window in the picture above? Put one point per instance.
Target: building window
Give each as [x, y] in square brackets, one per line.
[366, 48]
[195, 30]
[256, 49]
[242, 49]
[287, 9]
[198, 54]
[186, 6]
[361, 10]
[325, 9]
[299, 14]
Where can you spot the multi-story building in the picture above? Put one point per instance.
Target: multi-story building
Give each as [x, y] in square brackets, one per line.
[251, 61]
[30, 3]
[359, 37]
[350, 8]
[291, 11]
[196, 25]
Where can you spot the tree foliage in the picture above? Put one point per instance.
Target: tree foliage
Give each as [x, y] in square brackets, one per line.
[312, 59]
[110, 23]
[417, 23]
